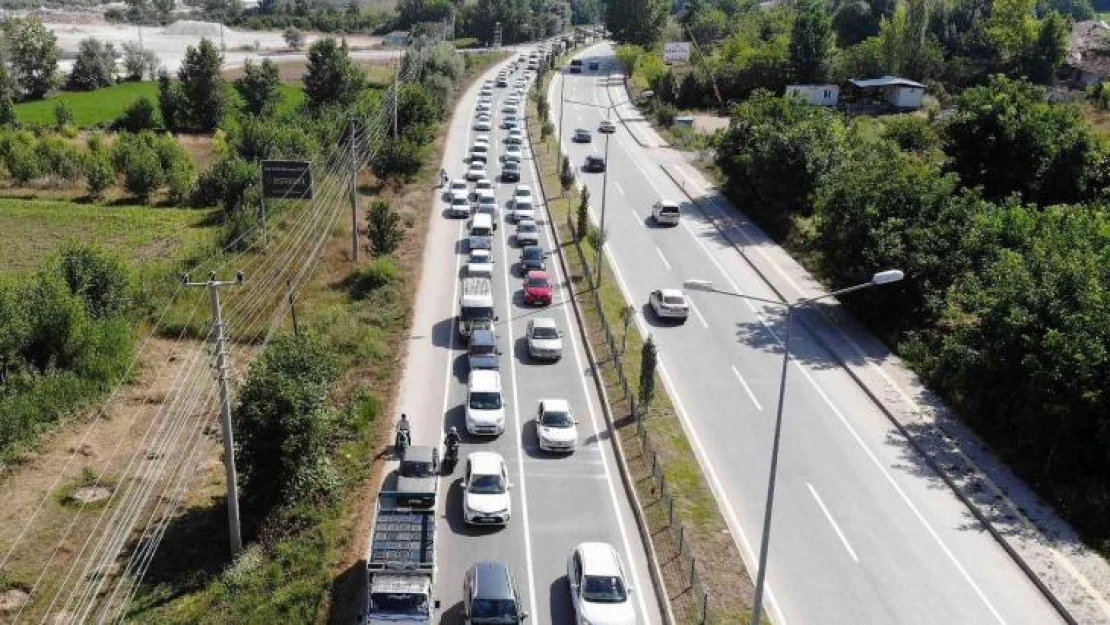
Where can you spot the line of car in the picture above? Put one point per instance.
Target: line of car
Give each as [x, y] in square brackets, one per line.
[595, 574]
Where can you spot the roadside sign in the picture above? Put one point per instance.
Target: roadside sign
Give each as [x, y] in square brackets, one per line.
[287, 179]
[676, 52]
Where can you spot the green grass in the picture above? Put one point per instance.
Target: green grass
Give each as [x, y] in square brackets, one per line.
[33, 229]
[291, 98]
[89, 107]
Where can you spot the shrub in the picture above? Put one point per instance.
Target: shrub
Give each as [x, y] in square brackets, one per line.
[100, 279]
[99, 174]
[546, 130]
[137, 117]
[401, 158]
[63, 116]
[226, 180]
[384, 228]
[583, 223]
[665, 114]
[381, 272]
[59, 158]
[21, 159]
[180, 178]
[566, 175]
[294, 38]
[142, 173]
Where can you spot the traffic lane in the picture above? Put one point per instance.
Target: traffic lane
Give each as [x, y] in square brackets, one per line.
[1038, 605]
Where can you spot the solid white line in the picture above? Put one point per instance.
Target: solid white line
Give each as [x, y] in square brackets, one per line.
[832, 522]
[746, 388]
[662, 257]
[619, 188]
[698, 314]
[578, 359]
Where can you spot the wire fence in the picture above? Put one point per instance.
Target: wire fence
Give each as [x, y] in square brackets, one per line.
[684, 581]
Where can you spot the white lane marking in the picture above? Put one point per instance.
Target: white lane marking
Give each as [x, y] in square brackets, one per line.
[619, 188]
[662, 257]
[578, 359]
[699, 450]
[746, 388]
[832, 521]
[507, 266]
[698, 314]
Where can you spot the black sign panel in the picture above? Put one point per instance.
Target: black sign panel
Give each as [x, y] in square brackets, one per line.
[287, 179]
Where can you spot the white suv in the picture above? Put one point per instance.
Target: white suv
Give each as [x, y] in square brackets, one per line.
[485, 405]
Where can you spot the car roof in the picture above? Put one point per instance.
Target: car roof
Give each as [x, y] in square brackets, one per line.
[522, 187]
[671, 203]
[555, 405]
[485, 462]
[477, 165]
[492, 581]
[672, 293]
[544, 322]
[525, 221]
[484, 380]
[458, 195]
[482, 219]
[536, 273]
[531, 249]
[599, 559]
[419, 453]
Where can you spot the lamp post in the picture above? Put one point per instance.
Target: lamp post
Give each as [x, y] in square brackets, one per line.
[883, 277]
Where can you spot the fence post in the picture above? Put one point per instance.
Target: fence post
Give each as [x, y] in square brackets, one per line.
[704, 607]
[693, 561]
[670, 516]
[681, 537]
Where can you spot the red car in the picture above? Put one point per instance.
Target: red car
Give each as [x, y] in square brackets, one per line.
[537, 288]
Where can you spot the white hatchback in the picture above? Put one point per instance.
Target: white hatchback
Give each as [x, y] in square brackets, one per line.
[486, 487]
[598, 588]
[556, 427]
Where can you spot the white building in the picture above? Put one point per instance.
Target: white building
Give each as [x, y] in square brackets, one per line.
[898, 92]
[817, 95]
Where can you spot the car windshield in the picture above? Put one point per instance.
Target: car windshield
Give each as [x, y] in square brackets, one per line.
[458, 200]
[482, 350]
[557, 420]
[471, 313]
[603, 589]
[536, 282]
[545, 333]
[484, 400]
[668, 209]
[532, 253]
[417, 469]
[512, 165]
[526, 228]
[494, 610]
[673, 300]
[487, 484]
[399, 603]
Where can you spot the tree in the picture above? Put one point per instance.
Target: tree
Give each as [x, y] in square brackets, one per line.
[1048, 51]
[7, 95]
[566, 175]
[171, 102]
[202, 86]
[331, 77]
[138, 116]
[164, 9]
[99, 279]
[383, 227]
[1078, 10]
[628, 55]
[294, 38]
[1011, 27]
[810, 40]
[99, 174]
[637, 21]
[854, 22]
[142, 172]
[138, 62]
[95, 66]
[583, 222]
[259, 87]
[33, 53]
[648, 360]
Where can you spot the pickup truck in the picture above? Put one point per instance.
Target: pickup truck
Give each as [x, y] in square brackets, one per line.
[400, 565]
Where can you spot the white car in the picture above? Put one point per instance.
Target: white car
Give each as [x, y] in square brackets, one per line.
[515, 137]
[485, 406]
[544, 340]
[482, 185]
[482, 107]
[512, 153]
[483, 124]
[476, 170]
[479, 152]
[486, 487]
[457, 185]
[598, 589]
[665, 212]
[556, 428]
[458, 205]
[522, 191]
[487, 203]
[523, 209]
[527, 233]
[479, 264]
[510, 108]
[669, 304]
[510, 122]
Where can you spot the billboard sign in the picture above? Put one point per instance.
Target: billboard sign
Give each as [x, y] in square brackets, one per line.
[676, 52]
[287, 179]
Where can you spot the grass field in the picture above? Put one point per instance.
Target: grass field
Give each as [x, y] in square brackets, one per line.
[103, 106]
[32, 230]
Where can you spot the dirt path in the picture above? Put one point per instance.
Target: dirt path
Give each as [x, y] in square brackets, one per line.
[42, 524]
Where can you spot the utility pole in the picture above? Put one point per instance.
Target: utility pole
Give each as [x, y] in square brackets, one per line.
[213, 287]
[604, 187]
[354, 189]
[396, 94]
[292, 307]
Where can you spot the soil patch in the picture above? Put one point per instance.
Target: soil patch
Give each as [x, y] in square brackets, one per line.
[90, 494]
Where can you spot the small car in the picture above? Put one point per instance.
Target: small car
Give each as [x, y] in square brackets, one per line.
[510, 172]
[486, 487]
[515, 137]
[581, 135]
[527, 233]
[479, 264]
[502, 81]
[457, 185]
[481, 185]
[483, 124]
[669, 304]
[487, 203]
[512, 153]
[607, 126]
[556, 428]
[458, 205]
[417, 476]
[598, 589]
[594, 65]
[510, 122]
[485, 406]
[476, 170]
[490, 595]
[522, 191]
[665, 212]
[594, 163]
[544, 339]
[523, 209]
[538, 289]
[532, 257]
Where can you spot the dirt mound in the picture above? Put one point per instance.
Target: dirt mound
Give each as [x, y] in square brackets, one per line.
[90, 494]
[192, 28]
[12, 599]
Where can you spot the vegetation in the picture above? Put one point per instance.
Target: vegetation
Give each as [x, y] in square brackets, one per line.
[32, 50]
[331, 77]
[383, 227]
[94, 108]
[95, 66]
[259, 87]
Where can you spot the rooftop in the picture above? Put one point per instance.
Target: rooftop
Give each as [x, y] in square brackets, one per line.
[885, 81]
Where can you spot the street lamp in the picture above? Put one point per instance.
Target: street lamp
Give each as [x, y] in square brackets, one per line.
[883, 277]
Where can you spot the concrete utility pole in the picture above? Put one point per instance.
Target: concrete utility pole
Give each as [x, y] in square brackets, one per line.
[354, 189]
[213, 287]
[396, 94]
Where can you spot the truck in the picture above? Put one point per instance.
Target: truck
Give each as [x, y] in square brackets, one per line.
[400, 564]
[475, 306]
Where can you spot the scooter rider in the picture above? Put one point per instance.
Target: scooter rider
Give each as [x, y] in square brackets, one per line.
[403, 429]
[452, 440]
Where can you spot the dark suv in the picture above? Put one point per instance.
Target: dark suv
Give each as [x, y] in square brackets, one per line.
[490, 596]
[594, 163]
[510, 172]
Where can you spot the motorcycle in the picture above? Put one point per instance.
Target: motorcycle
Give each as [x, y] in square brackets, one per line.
[451, 456]
[401, 441]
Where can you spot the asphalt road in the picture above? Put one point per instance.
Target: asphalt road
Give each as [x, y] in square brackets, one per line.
[863, 530]
[558, 501]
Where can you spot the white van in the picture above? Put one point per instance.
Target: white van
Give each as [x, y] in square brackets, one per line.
[475, 305]
[485, 406]
[481, 232]
[665, 212]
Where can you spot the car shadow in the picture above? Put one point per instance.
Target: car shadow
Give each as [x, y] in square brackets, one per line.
[452, 615]
[443, 333]
[654, 320]
[558, 600]
[460, 367]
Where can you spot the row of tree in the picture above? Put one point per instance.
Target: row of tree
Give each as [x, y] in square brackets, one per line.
[997, 216]
[520, 20]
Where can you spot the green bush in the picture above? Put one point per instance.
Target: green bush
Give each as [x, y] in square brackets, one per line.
[384, 228]
[20, 156]
[99, 174]
[665, 114]
[137, 117]
[381, 272]
[59, 158]
[63, 116]
[226, 181]
[142, 173]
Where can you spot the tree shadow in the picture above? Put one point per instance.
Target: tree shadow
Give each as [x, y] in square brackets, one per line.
[193, 549]
[348, 595]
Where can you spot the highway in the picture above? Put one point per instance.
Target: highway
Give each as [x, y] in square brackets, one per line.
[557, 501]
[863, 531]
